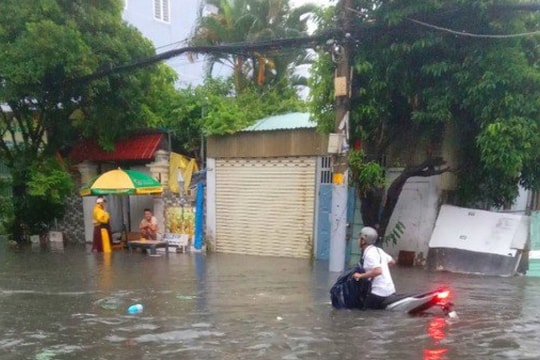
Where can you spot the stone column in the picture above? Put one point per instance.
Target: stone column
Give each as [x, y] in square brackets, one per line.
[88, 171]
[160, 168]
[159, 213]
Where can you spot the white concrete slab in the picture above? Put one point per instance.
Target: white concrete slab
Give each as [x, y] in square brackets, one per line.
[480, 231]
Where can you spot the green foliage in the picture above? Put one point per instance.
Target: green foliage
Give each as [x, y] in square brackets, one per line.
[6, 204]
[505, 145]
[321, 84]
[50, 181]
[213, 109]
[321, 81]
[237, 21]
[262, 84]
[46, 46]
[365, 175]
[226, 115]
[43, 200]
[411, 78]
[161, 97]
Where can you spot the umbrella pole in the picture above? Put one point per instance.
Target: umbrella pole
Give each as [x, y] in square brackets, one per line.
[129, 212]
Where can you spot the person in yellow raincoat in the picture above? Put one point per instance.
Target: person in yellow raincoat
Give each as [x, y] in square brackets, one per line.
[102, 230]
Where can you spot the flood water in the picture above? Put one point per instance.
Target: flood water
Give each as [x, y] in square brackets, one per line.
[72, 304]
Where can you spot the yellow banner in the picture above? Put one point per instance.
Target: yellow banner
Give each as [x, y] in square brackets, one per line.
[179, 164]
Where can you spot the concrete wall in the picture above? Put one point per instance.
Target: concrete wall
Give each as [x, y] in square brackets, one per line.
[417, 209]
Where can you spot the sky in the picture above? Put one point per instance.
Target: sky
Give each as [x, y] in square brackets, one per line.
[317, 2]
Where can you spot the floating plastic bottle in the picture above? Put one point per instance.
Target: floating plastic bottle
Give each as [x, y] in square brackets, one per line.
[135, 309]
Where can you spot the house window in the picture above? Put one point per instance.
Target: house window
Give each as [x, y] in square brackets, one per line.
[162, 10]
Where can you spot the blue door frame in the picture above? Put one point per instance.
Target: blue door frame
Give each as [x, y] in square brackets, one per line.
[323, 222]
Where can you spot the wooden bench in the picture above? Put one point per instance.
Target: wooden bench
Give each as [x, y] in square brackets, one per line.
[124, 238]
[152, 245]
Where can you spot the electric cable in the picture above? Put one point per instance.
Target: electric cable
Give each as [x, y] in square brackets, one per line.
[464, 33]
[234, 48]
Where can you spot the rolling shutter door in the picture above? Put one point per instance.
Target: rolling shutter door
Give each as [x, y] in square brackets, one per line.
[265, 206]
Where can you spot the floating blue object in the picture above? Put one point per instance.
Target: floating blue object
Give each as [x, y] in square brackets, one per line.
[135, 309]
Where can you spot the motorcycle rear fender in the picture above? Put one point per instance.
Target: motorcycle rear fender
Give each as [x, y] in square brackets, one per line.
[414, 303]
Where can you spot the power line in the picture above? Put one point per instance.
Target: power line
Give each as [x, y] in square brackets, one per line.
[238, 48]
[464, 33]
[175, 44]
[515, 7]
[278, 44]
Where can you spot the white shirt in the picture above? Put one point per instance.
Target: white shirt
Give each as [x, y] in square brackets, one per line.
[374, 257]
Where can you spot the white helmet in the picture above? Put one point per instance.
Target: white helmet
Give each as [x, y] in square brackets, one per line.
[369, 235]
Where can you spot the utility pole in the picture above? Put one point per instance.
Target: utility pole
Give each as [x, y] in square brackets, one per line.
[342, 87]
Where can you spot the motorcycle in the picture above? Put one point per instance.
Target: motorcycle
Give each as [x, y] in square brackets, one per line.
[418, 303]
[350, 294]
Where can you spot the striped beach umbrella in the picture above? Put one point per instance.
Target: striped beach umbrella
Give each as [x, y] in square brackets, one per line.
[128, 182]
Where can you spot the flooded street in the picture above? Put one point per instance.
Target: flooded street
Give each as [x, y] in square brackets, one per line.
[72, 305]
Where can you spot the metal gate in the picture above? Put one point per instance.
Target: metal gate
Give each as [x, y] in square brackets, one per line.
[324, 208]
[265, 206]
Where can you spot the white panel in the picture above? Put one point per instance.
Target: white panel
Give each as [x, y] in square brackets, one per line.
[417, 209]
[479, 231]
[522, 233]
[265, 206]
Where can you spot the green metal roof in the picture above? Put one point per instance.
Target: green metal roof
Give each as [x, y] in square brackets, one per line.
[294, 120]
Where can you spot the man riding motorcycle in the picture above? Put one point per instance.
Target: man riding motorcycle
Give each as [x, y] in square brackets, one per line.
[375, 263]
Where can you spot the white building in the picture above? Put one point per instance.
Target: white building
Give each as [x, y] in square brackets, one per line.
[168, 24]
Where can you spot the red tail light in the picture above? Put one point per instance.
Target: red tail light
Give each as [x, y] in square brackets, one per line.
[441, 295]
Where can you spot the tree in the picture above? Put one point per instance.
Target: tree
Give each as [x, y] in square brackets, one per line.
[236, 21]
[46, 45]
[214, 109]
[262, 82]
[413, 81]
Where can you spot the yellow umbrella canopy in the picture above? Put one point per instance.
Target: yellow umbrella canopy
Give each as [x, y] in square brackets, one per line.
[129, 182]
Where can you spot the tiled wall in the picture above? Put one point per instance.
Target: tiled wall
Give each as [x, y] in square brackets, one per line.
[72, 226]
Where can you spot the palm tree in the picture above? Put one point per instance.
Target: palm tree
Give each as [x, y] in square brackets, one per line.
[238, 21]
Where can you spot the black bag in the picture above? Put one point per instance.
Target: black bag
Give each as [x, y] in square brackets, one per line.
[348, 293]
